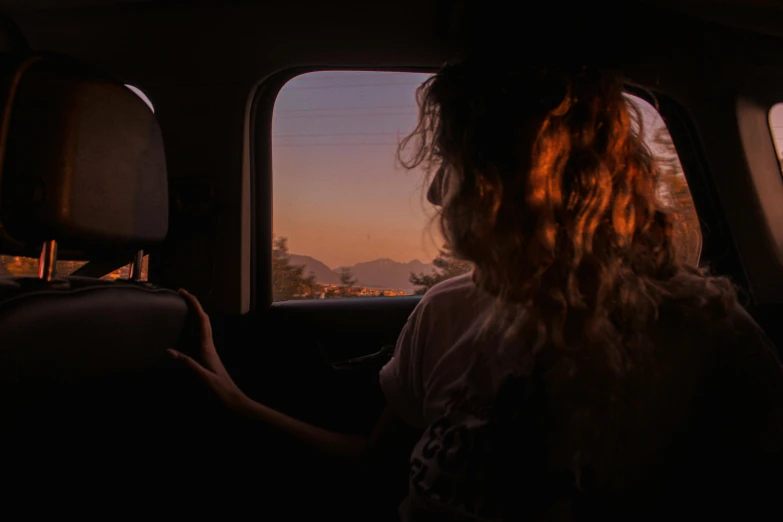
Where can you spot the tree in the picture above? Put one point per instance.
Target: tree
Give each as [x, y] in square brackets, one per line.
[289, 281]
[674, 193]
[346, 281]
[446, 266]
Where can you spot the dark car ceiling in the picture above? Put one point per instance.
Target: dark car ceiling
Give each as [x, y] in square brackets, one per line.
[761, 16]
[152, 42]
[17, 6]
[757, 15]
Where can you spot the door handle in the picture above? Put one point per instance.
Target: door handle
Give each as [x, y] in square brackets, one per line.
[366, 362]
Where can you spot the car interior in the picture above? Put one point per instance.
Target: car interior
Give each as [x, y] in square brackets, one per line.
[152, 145]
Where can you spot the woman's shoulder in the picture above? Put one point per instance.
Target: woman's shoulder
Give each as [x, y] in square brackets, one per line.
[699, 301]
[460, 284]
[450, 291]
[703, 317]
[708, 307]
[741, 337]
[724, 313]
[457, 299]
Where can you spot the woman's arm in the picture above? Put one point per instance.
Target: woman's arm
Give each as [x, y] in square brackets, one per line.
[350, 447]
[390, 435]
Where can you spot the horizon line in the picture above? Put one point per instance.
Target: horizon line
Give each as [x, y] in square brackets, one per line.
[416, 260]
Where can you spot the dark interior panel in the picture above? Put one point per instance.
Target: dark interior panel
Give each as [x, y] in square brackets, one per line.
[286, 359]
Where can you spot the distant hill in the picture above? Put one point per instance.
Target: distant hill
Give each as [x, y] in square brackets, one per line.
[386, 273]
[323, 274]
[380, 274]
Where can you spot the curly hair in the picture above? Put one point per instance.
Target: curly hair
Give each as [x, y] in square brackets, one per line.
[554, 202]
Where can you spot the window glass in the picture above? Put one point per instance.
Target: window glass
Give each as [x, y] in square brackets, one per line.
[348, 221]
[141, 95]
[17, 266]
[673, 191]
[776, 127]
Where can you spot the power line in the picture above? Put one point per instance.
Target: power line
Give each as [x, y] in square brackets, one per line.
[343, 115]
[350, 108]
[308, 145]
[344, 81]
[347, 86]
[336, 134]
[365, 75]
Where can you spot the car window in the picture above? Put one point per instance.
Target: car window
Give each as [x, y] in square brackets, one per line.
[18, 266]
[673, 190]
[141, 95]
[776, 128]
[349, 222]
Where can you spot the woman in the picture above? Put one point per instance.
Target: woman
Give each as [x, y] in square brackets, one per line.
[582, 369]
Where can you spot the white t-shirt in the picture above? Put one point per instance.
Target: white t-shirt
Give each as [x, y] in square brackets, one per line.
[443, 379]
[447, 370]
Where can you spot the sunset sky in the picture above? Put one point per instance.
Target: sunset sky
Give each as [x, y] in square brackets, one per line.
[339, 194]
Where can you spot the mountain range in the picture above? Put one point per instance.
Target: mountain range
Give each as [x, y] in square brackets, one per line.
[378, 274]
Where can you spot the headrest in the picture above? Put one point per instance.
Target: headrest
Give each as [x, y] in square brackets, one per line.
[81, 161]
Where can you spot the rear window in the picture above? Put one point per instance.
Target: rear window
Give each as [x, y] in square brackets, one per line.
[17, 266]
[349, 222]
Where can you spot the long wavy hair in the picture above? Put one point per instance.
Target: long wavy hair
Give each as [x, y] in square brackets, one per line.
[553, 199]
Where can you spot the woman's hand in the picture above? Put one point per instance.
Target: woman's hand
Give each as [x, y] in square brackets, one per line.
[211, 370]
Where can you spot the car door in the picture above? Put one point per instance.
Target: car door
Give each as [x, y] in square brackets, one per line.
[346, 244]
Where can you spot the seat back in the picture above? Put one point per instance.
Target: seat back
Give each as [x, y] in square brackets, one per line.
[87, 392]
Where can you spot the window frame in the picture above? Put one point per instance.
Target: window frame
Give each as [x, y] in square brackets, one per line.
[719, 252]
[718, 249]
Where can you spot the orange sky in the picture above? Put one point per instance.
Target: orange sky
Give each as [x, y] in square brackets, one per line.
[338, 193]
